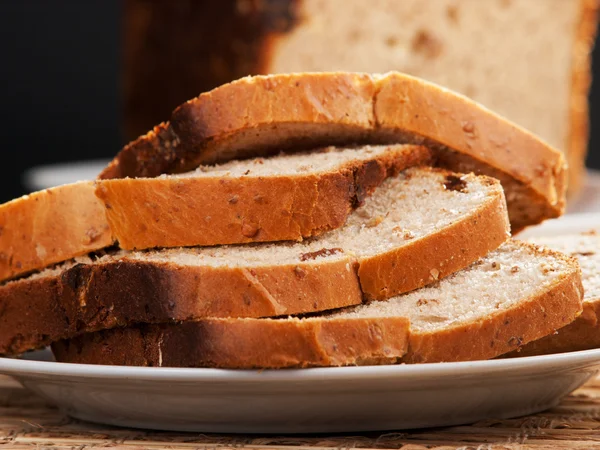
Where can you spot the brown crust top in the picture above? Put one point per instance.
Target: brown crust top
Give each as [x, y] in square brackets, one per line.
[215, 41]
[51, 226]
[264, 343]
[262, 114]
[200, 211]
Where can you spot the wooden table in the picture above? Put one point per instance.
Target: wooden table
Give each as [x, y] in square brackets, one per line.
[27, 422]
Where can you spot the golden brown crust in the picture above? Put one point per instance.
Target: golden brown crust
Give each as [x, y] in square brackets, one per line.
[215, 126]
[212, 122]
[91, 297]
[581, 79]
[267, 343]
[244, 344]
[51, 226]
[173, 212]
[258, 115]
[507, 330]
[582, 334]
[437, 255]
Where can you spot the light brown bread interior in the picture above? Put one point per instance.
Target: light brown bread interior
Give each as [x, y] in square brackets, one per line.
[421, 211]
[495, 52]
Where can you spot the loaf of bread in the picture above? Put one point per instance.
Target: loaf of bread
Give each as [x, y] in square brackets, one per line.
[528, 60]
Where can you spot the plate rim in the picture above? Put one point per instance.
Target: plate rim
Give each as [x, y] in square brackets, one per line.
[567, 224]
[24, 368]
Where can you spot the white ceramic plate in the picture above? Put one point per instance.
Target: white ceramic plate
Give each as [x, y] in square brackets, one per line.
[571, 223]
[43, 177]
[346, 399]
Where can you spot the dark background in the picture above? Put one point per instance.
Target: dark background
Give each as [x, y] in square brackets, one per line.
[59, 86]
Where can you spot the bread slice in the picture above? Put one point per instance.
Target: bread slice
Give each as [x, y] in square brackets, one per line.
[515, 294]
[584, 332]
[417, 228]
[285, 197]
[257, 115]
[51, 226]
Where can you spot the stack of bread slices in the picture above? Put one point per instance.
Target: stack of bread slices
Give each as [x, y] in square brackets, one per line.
[296, 220]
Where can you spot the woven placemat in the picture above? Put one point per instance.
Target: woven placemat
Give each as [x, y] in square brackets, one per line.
[27, 422]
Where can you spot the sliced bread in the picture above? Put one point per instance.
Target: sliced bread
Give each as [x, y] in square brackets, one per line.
[584, 332]
[514, 295]
[262, 114]
[416, 228]
[286, 197]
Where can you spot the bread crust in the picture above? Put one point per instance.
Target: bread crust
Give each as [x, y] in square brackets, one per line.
[582, 334]
[258, 115]
[267, 343]
[58, 224]
[51, 226]
[91, 297]
[581, 80]
[179, 212]
[243, 344]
